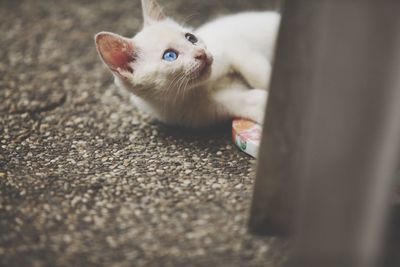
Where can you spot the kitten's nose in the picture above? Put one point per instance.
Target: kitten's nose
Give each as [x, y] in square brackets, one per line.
[201, 55]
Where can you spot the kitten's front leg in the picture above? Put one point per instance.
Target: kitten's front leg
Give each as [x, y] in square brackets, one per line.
[243, 103]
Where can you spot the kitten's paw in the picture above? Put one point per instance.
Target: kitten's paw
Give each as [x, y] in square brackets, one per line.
[255, 105]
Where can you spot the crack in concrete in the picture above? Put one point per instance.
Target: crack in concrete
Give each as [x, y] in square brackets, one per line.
[49, 107]
[34, 114]
[28, 132]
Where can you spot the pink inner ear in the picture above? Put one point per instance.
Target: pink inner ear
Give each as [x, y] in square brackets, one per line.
[116, 51]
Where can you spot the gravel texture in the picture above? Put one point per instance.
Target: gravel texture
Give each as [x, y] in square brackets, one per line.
[87, 180]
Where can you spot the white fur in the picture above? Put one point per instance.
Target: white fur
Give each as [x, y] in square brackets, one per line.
[242, 47]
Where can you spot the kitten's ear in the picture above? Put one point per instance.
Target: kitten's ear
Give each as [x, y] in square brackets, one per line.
[116, 51]
[152, 12]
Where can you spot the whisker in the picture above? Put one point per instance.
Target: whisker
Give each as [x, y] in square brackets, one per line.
[185, 87]
[182, 87]
[178, 89]
[174, 94]
[167, 92]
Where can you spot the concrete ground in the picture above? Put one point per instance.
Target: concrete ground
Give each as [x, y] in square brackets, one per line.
[87, 180]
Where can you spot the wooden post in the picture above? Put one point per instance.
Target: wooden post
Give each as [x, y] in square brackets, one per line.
[332, 131]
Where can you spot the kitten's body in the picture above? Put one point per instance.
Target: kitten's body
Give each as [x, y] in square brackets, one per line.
[237, 51]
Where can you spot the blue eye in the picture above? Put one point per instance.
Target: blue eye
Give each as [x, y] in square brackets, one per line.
[170, 55]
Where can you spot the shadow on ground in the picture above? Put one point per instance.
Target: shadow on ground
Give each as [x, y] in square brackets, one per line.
[85, 179]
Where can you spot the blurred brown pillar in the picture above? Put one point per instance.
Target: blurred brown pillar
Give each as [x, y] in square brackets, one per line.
[332, 132]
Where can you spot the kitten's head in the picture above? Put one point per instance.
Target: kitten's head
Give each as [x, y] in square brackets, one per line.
[163, 58]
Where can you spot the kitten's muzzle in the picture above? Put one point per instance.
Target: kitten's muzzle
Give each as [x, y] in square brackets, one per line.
[204, 61]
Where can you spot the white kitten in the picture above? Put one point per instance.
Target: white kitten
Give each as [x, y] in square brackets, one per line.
[195, 79]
